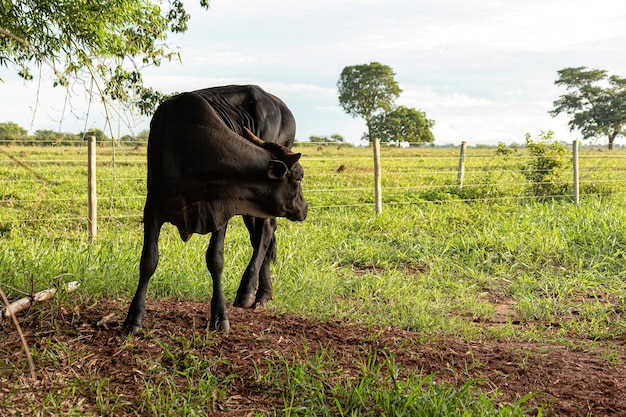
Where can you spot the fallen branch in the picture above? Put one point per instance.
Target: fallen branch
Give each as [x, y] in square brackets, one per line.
[29, 357]
[24, 303]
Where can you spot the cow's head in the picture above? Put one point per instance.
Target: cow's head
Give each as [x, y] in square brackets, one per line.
[285, 174]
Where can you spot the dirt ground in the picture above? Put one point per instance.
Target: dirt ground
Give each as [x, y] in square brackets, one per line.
[573, 381]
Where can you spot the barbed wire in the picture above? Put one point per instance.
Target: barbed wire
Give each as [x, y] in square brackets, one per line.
[139, 217]
[423, 168]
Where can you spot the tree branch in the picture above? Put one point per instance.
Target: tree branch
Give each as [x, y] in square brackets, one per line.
[30, 47]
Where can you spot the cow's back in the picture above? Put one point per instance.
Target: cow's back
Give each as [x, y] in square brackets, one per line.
[250, 106]
[185, 134]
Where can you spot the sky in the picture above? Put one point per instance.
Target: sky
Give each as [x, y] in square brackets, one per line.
[483, 70]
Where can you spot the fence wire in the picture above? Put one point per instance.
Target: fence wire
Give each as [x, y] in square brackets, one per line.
[44, 184]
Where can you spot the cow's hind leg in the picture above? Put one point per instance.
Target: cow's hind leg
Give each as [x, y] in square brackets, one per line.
[265, 292]
[215, 265]
[262, 238]
[147, 266]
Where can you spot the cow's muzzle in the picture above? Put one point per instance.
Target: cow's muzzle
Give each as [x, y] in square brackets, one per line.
[300, 212]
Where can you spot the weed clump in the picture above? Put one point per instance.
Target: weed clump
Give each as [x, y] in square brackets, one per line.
[546, 168]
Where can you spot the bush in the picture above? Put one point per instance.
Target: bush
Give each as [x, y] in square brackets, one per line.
[599, 189]
[547, 168]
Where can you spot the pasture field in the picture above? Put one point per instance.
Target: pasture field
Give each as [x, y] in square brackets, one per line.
[484, 300]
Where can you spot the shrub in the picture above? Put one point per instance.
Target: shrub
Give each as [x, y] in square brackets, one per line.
[546, 169]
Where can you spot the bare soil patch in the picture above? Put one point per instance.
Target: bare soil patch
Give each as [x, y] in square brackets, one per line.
[573, 381]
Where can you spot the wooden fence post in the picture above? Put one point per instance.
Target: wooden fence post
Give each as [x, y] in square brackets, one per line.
[575, 169]
[461, 172]
[378, 192]
[92, 204]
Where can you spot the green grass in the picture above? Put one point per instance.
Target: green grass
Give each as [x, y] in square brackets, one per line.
[432, 262]
[421, 268]
[180, 381]
[319, 387]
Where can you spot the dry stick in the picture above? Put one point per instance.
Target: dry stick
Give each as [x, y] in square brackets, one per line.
[29, 358]
[32, 120]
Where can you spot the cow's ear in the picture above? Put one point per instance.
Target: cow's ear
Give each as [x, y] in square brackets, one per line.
[277, 169]
[292, 158]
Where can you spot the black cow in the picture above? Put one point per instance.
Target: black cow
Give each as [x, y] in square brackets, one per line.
[269, 118]
[201, 172]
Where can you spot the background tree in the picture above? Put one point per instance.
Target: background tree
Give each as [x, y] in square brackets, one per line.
[595, 101]
[138, 140]
[107, 42]
[402, 124]
[367, 89]
[101, 137]
[143, 135]
[46, 136]
[335, 137]
[12, 131]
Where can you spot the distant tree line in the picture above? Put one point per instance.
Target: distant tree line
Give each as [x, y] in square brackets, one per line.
[12, 133]
[334, 138]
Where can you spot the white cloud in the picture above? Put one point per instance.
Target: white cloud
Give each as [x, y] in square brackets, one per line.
[221, 58]
[427, 97]
[301, 88]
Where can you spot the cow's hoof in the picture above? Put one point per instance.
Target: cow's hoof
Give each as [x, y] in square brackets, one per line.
[220, 326]
[131, 329]
[244, 301]
[224, 326]
[261, 302]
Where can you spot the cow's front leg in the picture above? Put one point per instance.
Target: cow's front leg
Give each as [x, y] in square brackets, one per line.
[261, 236]
[147, 266]
[215, 265]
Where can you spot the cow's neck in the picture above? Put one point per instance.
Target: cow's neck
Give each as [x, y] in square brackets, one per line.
[231, 180]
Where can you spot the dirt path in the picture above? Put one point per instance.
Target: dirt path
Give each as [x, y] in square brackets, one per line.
[575, 382]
